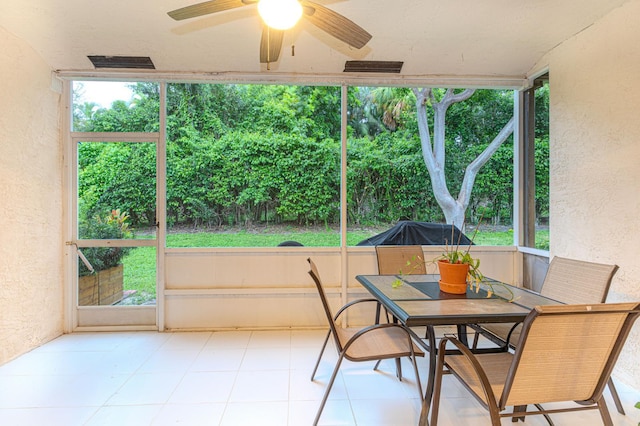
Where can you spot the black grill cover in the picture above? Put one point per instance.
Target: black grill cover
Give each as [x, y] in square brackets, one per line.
[406, 233]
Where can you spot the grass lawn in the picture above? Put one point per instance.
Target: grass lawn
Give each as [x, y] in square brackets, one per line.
[140, 263]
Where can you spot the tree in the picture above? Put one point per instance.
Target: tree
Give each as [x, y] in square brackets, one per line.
[434, 155]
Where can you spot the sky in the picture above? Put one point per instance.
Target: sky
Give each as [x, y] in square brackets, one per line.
[104, 93]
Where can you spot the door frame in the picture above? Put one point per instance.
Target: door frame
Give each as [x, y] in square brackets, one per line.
[86, 318]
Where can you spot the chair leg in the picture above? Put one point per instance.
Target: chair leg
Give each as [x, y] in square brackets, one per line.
[518, 409]
[415, 371]
[475, 340]
[604, 412]
[614, 395]
[435, 398]
[398, 369]
[324, 345]
[326, 393]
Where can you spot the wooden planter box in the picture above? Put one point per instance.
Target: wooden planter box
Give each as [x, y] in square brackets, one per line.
[103, 288]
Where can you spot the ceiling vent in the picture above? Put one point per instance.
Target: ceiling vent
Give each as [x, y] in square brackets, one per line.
[389, 67]
[137, 62]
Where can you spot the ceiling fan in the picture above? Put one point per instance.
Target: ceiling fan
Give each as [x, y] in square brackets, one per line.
[326, 19]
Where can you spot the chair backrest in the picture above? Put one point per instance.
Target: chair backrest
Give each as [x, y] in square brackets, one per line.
[313, 271]
[577, 282]
[567, 352]
[405, 260]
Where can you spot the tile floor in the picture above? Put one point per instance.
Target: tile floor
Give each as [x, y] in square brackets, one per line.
[223, 378]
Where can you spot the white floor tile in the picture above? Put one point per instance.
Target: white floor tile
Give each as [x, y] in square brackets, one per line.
[188, 341]
[128, 415]
[261, 386]
[385, 412]
[87, 390]
[335, 412]
[369, 384]
[304, 358]
[256, 413]
[200, 387]
[150, 388]
[256, 359]
[270, 339]
[50, 416]
[307, 338]
[218, 360]
[303, 389]
[31, 391]
[228, 340]
[190, 414]
[169, 361]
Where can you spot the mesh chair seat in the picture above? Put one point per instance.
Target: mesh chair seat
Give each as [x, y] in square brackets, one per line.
[378, 343]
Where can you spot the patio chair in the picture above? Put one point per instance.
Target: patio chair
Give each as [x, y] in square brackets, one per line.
[401, 260]
[372, 343]
[405, 260]
[554, 339]
[569, 281]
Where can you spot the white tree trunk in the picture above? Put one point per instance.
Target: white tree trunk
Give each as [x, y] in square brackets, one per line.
[433, 152]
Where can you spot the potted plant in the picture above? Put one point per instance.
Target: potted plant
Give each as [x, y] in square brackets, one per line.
[465, 267]
[457, 267]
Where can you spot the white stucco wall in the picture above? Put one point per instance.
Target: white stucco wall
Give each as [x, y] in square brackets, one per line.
[30, 201]
[595, 156]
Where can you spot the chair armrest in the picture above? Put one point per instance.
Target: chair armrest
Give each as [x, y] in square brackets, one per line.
[353, 302]
[375, 327]
[473, 362]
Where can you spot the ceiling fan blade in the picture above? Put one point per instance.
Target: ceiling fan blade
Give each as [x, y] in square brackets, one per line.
[335, 24]
[206, 8]
[270, 44]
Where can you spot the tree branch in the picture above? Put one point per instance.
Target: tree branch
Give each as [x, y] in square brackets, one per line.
[451, 98]
[474, 167]
[423, 128]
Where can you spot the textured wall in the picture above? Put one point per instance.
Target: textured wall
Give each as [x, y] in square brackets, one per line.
[595, 156]
[30, 201]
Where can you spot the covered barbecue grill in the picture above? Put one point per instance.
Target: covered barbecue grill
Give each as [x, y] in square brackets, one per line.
[424, 233]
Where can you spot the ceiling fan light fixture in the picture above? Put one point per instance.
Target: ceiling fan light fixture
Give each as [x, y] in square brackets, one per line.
[280, 14]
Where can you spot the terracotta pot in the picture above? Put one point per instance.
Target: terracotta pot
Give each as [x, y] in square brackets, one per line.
[453, 277]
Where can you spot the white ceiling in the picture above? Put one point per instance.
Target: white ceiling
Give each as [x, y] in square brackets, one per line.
[453, 38]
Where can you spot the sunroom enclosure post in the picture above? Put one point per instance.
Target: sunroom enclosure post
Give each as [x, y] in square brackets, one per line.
[161, 207]
[344, 264]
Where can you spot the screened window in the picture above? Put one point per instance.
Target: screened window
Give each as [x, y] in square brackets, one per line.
[252, 165]
[536, 164]
[388, 180]
[113, 106]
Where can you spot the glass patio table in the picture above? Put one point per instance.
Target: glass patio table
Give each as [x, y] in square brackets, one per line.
[418, 301]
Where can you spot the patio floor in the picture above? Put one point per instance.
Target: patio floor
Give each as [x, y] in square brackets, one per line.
[225, 378]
